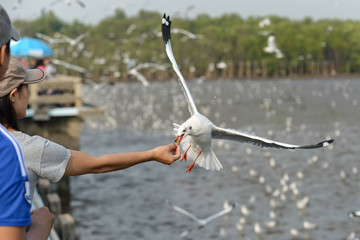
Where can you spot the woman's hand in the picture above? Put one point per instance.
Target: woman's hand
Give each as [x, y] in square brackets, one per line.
[167, 154]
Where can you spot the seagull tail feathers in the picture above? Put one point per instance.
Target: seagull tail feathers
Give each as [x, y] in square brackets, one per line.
[209, 161]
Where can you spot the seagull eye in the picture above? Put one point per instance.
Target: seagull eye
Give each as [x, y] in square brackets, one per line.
[184, 130]
[190, 128]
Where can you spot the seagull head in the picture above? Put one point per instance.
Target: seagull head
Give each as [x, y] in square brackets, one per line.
[183, 130]
[195, 126]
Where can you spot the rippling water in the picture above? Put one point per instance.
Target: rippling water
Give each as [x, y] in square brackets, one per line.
[130, 204]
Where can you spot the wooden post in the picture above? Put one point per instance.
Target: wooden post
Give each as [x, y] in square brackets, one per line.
[210, 71]
[264, 69]
[77, 92]
[325, 71]
[241, 69]
[347, 68]
[54, 203]
[318, 68]
[293, 68]
[255, 69]
[230, 70]
[283, 69]
[248, 69]
[67, 226]
[333, 71]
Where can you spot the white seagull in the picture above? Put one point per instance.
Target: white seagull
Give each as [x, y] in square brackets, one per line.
[75, 41]
[50, 40]
[68, 2]
[264, 22]
[135, 71]
[68, 65]
[197, 132]
[271, 47]
[203, 221]
[354, 214]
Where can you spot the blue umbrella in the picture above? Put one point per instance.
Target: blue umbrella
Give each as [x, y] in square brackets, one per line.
[30, 47]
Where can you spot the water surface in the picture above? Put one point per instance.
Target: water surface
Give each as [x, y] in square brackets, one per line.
[130, 204]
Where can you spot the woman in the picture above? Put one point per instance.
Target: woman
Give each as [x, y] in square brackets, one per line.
[50, 160]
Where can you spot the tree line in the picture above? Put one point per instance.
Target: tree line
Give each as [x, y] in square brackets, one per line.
[118, 42]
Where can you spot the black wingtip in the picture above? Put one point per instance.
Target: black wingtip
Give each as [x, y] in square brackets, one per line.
[327, 142]
[319, 145]
[166, 26]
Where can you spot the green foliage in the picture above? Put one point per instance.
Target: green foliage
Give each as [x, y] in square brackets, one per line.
[228, 38]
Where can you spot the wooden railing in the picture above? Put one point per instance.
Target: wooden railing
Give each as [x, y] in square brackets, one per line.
[60, 91]
[64, 225]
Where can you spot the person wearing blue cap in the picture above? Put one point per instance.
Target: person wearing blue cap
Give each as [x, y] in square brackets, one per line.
[16, 220]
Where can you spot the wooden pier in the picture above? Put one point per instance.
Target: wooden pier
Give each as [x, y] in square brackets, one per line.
[56, 112]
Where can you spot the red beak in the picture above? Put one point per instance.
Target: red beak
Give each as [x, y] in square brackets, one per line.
[179, 138]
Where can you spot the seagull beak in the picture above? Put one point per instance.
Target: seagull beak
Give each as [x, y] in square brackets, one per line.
[179, 138]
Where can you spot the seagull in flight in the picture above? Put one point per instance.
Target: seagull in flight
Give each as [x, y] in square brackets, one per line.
[264, 22]
[75, 41]
[50, 40]
[203, 221]
[354, 214]
[68, 2]
[271, 47]
[68, 65]
[135, 71]
[197, 132]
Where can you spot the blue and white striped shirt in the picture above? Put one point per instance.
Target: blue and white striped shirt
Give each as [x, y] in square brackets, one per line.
[15, 202]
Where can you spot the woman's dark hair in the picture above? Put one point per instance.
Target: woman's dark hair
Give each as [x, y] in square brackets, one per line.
[7, 113]
[7, 50]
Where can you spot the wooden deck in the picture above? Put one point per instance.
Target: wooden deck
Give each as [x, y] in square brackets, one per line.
[62, 90]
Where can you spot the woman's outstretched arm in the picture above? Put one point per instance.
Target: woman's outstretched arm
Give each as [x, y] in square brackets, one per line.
[82, 163]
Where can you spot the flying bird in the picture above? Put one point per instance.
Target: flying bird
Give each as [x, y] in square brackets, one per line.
[271, 46]
[354, 214]
[264, 22]
[203, 221]
[68, 2]
[197, 132]
[135, 71]
[68, 65]
[17, 5]
[75, 41]
[50, 40]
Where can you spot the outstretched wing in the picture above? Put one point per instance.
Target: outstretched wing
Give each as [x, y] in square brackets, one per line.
[150, 65]
[139, 76]
[234, 135]
[186, 213]
[166, 27]
[219, 214]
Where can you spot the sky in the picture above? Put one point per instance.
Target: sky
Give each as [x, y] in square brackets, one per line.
[96, 10]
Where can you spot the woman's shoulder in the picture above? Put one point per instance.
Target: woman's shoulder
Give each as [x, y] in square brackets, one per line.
[24, 138]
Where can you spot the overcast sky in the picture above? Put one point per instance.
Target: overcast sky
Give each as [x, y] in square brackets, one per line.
[95, 10]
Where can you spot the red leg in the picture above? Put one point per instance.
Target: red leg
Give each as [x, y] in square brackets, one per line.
[184, 156]
[190, 167]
